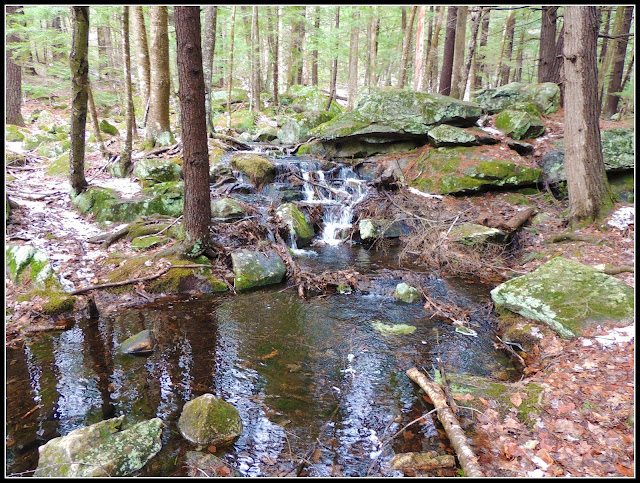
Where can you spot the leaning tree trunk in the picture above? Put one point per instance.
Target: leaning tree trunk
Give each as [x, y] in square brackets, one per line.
[125, 166]
[447, 55]
[158, 128]
[590, 196]
[13, 87]
[197, 203]
[96, 123]
[78, 60]
[142, 56]
[619, 48]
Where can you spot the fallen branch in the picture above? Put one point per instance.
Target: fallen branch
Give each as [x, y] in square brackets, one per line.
[510, 225]
[467, 458]
[136, 280]
[571, 237]
[231, 140]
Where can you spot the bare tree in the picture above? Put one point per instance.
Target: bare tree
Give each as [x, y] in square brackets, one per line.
[142, 56]
[447, 56]
[590, 196]
[13, 87]
[619, 48]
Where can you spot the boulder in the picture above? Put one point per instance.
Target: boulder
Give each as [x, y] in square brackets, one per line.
[258, 169]
[544, 97]
[141, 343]
[156, 170]
[206, 465]
[242, 120]
[519, 124]
[26, 261]
[298, 226]
[568, 297]
[224, 209]
[372, 229]
[254, 269]
[219, 98]
[445, 135]
[307, 98]
[210, 420]
[147, 242]
[102, 449]
[407, 293]
[108, 128]
[295, 129]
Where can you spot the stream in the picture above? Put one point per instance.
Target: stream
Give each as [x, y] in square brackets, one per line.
[311, 378]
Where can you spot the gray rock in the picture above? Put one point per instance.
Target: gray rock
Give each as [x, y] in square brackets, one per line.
[141, 343]
[544, 97]
[226, 209]
[156, 170]
[298, 226]
[255, 269]
[210, 420]
[407, 293]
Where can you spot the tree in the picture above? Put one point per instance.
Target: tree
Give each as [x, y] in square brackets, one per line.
[208, 52]
[274, 34]
[476, 17]
[158, 128]
[550, 58]
[142, 56]
[432, 55]
[125, 166]
[255, 61]
[590, 196]
[457, 90]
[619, 48]
[314, 52]
[481, 70]
[406, 46]
[352, 87]
[334, 66]
[417, 72]
[447, 55]
[197, 203]
[13, 89]
[230, 73]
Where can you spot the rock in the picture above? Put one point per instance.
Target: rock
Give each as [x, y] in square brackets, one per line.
[424, 461]
[207, 465]
[298, 226]
[307, 98]
[472, 234]
[242, 121]
[141, 343]
[102, 449]
[258, 169]
[544, 97]
[26, 261]
[148, 242]
[107, 128]
[210, 420]
[254, 269]
[225, 209]
[372, 229]
[395, 329]
[295, 129]
[466, 169]
[568, 297]
[444, 135]
[219, 98]
[521, 148]
[35, 140]
[407, 293]
[156, 170]
[13, 133]
[519, 124]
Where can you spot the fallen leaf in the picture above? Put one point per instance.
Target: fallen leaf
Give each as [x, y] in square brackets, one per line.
[624, 470]
[516, 399]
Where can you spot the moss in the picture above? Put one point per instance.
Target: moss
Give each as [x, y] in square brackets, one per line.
[59, 167]
[259, 169]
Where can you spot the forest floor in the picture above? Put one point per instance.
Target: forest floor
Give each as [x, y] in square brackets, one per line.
[586, 419]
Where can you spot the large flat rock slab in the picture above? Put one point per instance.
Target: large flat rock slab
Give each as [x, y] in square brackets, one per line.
[568, 297]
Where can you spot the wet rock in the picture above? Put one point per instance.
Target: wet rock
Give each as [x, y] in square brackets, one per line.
[407, 293]
[372, 229]
[544, 97]
[102, 449]
[207, 465]
[298, 226]
[519, 124]
[224, 209]
[141, 343]
[568, 297]
[254, 269]
[156, 170]
[258, 169]
[210, 420]
[394, 329]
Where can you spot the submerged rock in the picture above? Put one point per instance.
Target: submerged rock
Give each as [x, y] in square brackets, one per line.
[395, 329]
[568, 297]
[210, 420]
[254, 269]
[141, 343]
[102, 449]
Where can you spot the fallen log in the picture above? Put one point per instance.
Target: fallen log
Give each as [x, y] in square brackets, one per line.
[467, 458]
[510, 225]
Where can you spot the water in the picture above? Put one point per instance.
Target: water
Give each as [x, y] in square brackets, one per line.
[312, 379]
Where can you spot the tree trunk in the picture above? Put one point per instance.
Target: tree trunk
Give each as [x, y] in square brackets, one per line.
[418, 65]
[230, 73]
[79, 63]
[13, 87]
[197, 202]
[481, 70]
[96, 123]
[457, 90]
[274, 42]
[158, 128]
[476, 16]
[314, 52]
[104, 44]
[547, 50]
[432, 56]
[334, 67]
[208, 53]
[352, 89]
[619, 49]
[407, 38]
[517, 74]
[627, 75]
[590, 196]
[604, 30]
[255, 61]
[125, 166]
[297, 36]
[142, 54]
[447, 55]
[506, 49]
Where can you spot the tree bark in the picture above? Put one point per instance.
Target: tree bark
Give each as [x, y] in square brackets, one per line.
[481, 69]
[547, 50]
[334, 67]
[506, 48]
[158, 123]
[476, 17]
[619, 48]
[125, 166]
[457, 89]
[432, 56]
[197, 203]
[352, 89]
[447, 56]
[142, 54]
[96, 122]
[13, 88]
[590, 196]
[604, 30]
[208, 53]
[230, 72]
[274, 43]
[255, 61]
[407, 39]
[314, 52]
[79, 63]
[418, 65]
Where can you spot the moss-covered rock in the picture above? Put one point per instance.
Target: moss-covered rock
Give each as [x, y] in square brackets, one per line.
[59, 167]
[544, 97]
[210, 420]
[102, 449]
[298, 226]
[295, 129]
[472, 234]
[224, 209]
[14, 133]
[445, 135]
[258, 169]
[568, 297]
[142, 243]
[141, 343]
[519, 124]
[25, 262]
[219, 98]
[371, 229]
[407, 293]
[242, 120]
[156, 170]
[307, 98]
[255, 269]
[108, 128]
[35, 140]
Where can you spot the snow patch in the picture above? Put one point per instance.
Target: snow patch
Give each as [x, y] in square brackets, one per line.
[617, 336]
[423, 194]
[622, 218]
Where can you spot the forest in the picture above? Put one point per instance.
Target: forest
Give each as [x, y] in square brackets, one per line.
[319, 240]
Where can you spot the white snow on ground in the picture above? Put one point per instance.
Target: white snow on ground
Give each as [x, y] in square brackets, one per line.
[622, 218]
[126, 187]
[423, 194]
[614, 336]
